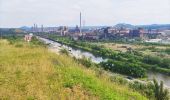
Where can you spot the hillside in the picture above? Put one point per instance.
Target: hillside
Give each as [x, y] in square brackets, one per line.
[29, 71]
[152, 26]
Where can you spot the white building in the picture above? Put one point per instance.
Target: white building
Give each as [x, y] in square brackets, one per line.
[28, 37]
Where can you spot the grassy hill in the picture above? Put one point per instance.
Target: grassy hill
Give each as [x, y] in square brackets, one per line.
[29, 71]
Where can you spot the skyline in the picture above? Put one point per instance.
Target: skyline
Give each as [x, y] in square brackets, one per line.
[19, 13]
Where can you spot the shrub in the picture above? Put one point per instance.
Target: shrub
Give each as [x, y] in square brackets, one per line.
[86, 62]
[167, 50]
[64, 51]
[159, 91]
[124, 68]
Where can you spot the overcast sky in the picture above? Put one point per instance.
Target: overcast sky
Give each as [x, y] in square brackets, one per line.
[16, 13]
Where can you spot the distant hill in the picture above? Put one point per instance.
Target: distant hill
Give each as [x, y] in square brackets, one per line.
[120, 25]
[152, 26]
[155, 26]
[25, 28]
[124, 25]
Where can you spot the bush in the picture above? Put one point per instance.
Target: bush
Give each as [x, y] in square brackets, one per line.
[152, 60]
[119, 80]
[167, 50]
[124, 68]
[159, 91]
[143, 88]
[64, 51]
[166, 63]
[86, 62]
[36, 42]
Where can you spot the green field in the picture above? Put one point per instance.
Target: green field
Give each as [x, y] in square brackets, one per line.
[28, 71]
[154, 50]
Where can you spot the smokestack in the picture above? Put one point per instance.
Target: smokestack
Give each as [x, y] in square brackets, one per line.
[42, 28]
[80, 24]
[34, 28]
[84, 22]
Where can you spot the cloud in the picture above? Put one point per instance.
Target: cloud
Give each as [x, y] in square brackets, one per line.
[15, 13]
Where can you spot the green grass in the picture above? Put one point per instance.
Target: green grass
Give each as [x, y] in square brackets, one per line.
[29, 72]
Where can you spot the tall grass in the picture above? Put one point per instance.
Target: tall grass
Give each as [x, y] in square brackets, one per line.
[32, 72]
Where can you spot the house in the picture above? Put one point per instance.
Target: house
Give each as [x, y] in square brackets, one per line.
[28, 37]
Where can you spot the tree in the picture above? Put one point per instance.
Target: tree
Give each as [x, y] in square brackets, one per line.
[159, 91]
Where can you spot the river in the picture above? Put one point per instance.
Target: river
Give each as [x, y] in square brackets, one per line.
[80, 53]
[159, 77]
[73, 52]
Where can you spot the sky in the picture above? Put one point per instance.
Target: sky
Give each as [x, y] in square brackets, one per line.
[17, 13]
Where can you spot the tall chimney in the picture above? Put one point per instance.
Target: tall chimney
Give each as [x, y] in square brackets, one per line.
[80, 24]
[34, 28]
[42, 28]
